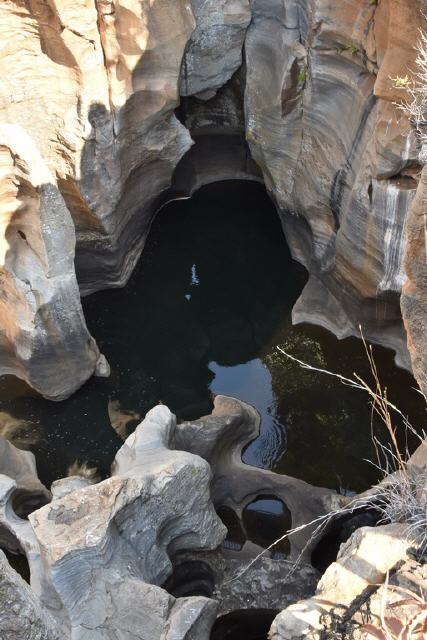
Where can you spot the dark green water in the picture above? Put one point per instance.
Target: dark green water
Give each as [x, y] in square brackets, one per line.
[203, 312]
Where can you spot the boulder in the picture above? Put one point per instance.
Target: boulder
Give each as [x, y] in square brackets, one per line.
[214, 51]
[362, 564]
[107, 544]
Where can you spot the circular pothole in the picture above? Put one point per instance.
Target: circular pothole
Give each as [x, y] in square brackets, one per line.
[266, 519]
[192, 578]
[246, 624]
[24, 502]
[339, 531]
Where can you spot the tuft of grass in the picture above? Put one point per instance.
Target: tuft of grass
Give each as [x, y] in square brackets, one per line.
[415, 103]
[83, 470]
[349, 48]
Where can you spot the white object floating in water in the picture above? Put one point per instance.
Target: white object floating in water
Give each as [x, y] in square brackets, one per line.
[194, 277]
[188, 296]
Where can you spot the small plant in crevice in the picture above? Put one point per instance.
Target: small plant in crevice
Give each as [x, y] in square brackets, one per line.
[351, 47]
[302, 76]
[83, 470]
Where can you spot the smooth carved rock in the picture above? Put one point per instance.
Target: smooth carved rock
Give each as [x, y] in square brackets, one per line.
[214, 51]
[22, 617]
[362, 563]
[43, 334]
[220, 438]
[103, 546]
[20, 493]
[93, 88]
[337, 157]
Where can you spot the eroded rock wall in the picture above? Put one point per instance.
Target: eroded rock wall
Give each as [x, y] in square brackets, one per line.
[337, 156]
[43, 334]
[94, 86]
[91, 88]
[414, 296]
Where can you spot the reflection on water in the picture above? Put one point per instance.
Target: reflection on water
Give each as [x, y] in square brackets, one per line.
[206, 306]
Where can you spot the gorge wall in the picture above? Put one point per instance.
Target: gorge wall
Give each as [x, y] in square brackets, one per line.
[102, 100]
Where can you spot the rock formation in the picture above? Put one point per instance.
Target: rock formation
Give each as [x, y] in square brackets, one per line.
[139, 553]
[93, 89]
[43, 334]
[220, 439]
[414, 296]
[361, 565]
[337, 157]
[21, 615]
[105, 548]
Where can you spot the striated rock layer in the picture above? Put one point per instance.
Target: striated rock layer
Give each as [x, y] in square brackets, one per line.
[337, 157]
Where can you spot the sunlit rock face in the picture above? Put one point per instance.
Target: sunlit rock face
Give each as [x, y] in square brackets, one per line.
[92, 87]
[43, 334]
[99, 81]
[337, 156]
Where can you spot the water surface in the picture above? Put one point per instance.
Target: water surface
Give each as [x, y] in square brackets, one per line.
[202, 314]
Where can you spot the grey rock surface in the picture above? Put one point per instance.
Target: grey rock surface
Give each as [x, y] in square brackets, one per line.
[43, 333]
[22, 617]
[214, 51]
[266, 584]
[105, 546]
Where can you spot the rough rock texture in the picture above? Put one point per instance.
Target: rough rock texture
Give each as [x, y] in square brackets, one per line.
[214, 51]
[100, 80]
[337, 157]
[362, 564]
[220, 438]
[22, 617]
[267, 584]
[103, 547]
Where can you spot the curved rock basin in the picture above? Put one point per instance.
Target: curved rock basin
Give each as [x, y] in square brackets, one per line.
[203, 312]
